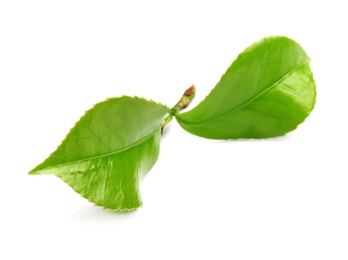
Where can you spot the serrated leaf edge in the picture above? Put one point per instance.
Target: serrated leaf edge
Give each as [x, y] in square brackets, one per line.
[83, 195]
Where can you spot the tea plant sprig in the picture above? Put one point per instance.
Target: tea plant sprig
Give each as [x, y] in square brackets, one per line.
[267, 91]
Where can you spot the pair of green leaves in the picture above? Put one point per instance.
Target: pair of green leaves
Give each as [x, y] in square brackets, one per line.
[266, 92]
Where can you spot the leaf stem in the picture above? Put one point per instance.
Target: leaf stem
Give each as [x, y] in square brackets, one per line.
[184, 101]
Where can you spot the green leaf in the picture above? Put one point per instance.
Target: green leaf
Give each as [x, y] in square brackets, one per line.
[109, 150]
[266, 92]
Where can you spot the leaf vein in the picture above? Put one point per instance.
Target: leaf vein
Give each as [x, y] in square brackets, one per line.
[248, 101]
[107, 154]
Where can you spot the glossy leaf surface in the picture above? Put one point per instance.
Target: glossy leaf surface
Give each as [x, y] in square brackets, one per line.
[109, 150]
[266, 92]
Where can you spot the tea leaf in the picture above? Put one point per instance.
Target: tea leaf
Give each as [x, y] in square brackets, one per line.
[109, 150]
[266, 92]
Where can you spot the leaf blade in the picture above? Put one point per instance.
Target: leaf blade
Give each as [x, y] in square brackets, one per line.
[109, 150]
[266, 65]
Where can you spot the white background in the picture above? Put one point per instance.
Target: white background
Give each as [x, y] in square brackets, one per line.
[284, 198]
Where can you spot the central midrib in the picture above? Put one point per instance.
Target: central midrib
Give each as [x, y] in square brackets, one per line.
[248, 101]
[103, 155]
